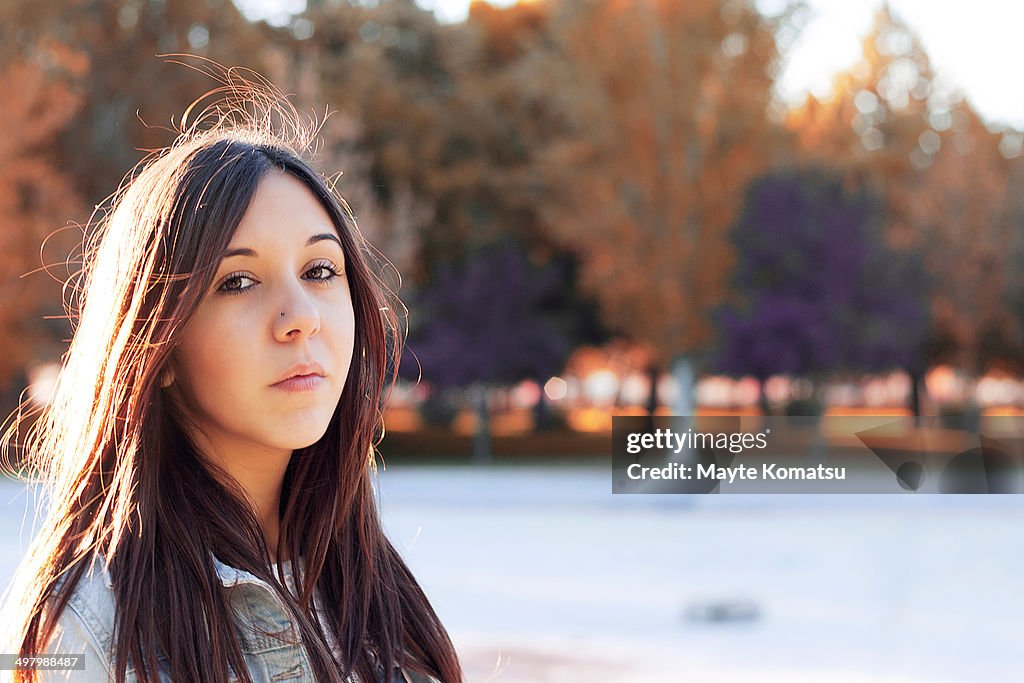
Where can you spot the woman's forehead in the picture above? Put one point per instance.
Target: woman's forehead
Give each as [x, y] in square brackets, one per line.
[283, 214]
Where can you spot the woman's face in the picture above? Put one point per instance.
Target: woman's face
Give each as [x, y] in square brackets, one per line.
[277, 304]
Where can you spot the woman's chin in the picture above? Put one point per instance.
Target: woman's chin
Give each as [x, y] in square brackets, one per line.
[301, 436]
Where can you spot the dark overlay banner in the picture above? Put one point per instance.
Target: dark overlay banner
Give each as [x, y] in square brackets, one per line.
[829, 454]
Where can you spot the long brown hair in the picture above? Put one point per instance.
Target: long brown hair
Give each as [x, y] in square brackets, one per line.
[125, 482]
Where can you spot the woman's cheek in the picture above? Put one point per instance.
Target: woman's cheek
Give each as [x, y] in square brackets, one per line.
[210, 349]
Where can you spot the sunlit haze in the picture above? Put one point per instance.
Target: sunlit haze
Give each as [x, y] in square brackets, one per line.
[974, 46]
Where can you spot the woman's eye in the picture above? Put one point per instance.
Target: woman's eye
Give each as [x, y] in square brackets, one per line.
[228, 286]
[327, 271]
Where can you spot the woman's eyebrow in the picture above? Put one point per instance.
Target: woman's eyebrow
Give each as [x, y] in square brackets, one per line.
[244, 251]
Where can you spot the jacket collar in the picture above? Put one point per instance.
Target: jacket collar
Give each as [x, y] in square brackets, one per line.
[228, 575]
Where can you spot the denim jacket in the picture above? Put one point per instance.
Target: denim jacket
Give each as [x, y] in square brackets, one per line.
[86, 627]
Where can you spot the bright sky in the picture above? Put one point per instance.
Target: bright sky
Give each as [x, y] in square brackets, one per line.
[974, 46]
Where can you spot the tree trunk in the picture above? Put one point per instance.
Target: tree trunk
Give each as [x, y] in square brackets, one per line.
[542, 414]
[685, 375]
[916, 379]
[482, 439]
[685, 406]
[971, 419]
[762, 398]
[653, 373]
[817, 453]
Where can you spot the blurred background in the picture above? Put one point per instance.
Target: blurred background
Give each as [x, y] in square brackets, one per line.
[599, 208]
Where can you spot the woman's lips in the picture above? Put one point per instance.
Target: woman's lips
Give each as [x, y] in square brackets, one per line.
[300, 383]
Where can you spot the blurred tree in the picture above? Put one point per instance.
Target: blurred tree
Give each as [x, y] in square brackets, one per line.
[892, 122]
[676, 105]
[874, 119]
[496, 319]
[127, 81]
[37, 198]
[966, 220]
[817, 290]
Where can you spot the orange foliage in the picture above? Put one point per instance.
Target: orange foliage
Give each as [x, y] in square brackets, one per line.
[677, 126]
[36, 197]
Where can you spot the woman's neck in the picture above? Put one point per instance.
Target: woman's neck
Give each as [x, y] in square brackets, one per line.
[260, 473]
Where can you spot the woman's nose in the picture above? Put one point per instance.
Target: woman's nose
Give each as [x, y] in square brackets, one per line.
[296, 316]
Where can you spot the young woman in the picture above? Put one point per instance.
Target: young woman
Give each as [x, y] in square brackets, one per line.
[209, 443]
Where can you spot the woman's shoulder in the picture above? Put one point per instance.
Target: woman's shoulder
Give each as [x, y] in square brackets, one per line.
[92, 598]
[85, 625]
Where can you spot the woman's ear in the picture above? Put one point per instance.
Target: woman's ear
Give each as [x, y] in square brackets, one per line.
[166, 376]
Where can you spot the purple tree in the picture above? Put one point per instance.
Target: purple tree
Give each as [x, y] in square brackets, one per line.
[494, 320]
[816, 289]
